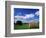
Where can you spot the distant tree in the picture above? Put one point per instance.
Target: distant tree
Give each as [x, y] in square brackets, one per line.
[19, 23]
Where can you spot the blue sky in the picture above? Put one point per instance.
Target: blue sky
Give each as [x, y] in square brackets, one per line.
[28, 14]
[22, 11]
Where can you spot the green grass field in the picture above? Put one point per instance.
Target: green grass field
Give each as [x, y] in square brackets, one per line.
[25, 26]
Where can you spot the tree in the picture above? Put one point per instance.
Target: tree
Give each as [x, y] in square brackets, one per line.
[19, 23]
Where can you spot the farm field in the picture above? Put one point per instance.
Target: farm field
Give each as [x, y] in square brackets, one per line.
[26, 26]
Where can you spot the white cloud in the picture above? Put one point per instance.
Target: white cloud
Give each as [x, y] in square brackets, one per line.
[19, 16]
[23, 18]
[29, 16]
[37, 13]
[26, 16]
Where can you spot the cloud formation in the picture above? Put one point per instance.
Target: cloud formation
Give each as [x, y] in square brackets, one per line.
[37, 13]
[29, 16]
[26, 16]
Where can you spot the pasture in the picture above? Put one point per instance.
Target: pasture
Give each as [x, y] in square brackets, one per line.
[26, 26]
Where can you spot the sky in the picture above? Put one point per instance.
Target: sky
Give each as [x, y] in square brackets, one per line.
[26, 15]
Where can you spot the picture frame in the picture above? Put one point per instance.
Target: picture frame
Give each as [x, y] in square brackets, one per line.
[11, 8]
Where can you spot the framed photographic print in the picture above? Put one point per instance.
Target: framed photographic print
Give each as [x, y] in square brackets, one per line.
[24, 18]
